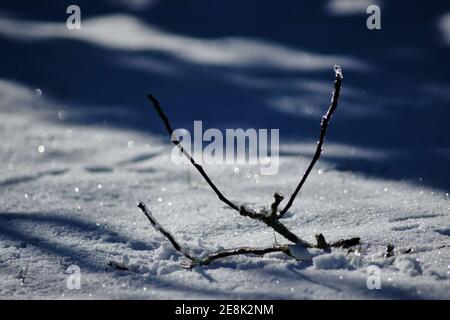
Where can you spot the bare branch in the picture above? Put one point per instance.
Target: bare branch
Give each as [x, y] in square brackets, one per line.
[274, 207]
[322, 243]
[209, 258]
[346, 243]
[270, 220]
[323, 130]
[196, 261]
[233, 252]
[176, 142]
[268, 216]
[343, 243]
[273, 222]
[158, 227]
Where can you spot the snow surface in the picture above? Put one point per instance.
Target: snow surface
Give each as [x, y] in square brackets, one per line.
[75, 203]
[80, 147]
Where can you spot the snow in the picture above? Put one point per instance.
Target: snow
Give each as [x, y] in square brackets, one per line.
[77, 156]
[408, 266]
[444, 25]
[303, 254]
[350, 7]
[330, 261]
[55, 214]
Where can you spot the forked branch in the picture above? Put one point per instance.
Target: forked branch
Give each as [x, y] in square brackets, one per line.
[271, 216]
[270, 219]
[278, 198]
[203, 261]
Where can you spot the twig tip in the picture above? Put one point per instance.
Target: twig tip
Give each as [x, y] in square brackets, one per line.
[278, 196]
[338, 71]
[140, 205]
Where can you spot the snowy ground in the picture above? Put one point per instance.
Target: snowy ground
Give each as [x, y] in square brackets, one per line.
[75, 203]
[78, 155]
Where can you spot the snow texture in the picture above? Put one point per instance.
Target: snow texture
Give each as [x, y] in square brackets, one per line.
[330, 261]
[80, 146]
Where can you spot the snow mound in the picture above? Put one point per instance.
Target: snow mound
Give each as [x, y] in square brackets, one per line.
[330, 261]
[408, 266]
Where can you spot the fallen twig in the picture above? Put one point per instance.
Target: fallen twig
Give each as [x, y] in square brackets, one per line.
[255, 251]
[347, 243]
[203, 261]
[211, 257]
[158, 227]
[118, 266]
[269, 217]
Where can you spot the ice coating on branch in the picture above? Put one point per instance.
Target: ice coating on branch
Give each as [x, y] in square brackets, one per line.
[338, 71]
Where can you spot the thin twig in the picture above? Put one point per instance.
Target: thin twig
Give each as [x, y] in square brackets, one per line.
[233, 252]
[158, 227]
[197, 261]
[274, 207]
[211, 257]
[270, 219]
[323, 130]
[343, 243]
[273, 222]
[176, 142]
[346, 243]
